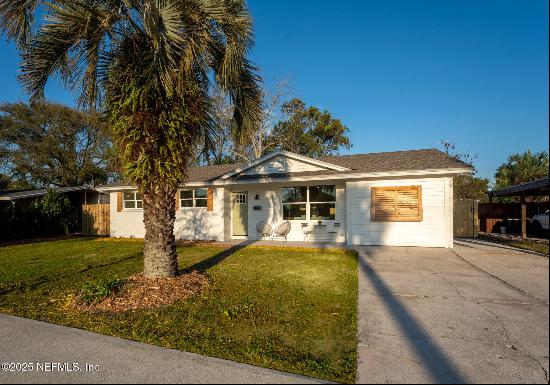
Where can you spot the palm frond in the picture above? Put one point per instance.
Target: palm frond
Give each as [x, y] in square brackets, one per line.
[70, 43]
[17, 19]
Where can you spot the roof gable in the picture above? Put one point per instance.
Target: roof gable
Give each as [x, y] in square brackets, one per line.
[282, 162]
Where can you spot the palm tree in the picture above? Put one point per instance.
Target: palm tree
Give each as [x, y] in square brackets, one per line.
[521, 168]
[150, 66]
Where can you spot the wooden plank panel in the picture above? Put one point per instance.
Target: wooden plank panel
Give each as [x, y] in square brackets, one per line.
[465, 218]
[96, 219]
[396, 204]
[119, 201]
[210, 200]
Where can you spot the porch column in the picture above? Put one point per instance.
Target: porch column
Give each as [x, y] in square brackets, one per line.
[523, 217]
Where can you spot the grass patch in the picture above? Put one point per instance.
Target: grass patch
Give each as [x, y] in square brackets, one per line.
[289, 309]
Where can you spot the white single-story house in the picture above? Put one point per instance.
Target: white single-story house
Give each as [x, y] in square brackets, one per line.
[402, 198]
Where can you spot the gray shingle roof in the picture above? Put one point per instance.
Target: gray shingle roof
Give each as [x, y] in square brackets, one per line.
[204, 173]
[413, 160]
[396, 161]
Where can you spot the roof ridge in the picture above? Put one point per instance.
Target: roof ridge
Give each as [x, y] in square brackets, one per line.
[382, 152]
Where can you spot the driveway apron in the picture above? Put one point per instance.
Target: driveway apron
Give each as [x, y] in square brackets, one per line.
[429, 315]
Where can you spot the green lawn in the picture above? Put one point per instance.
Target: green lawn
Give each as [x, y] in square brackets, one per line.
[289, 309]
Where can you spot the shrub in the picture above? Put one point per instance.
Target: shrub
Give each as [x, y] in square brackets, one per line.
[92, 292]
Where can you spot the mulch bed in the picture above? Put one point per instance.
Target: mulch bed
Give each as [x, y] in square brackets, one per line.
[145, 293]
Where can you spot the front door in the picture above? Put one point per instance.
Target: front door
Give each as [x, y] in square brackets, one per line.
[240, 213]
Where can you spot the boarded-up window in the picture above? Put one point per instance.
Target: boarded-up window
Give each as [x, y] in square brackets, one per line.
[397, 204]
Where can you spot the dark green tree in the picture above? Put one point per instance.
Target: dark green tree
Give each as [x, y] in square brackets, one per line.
[4, 181]
[153, 64]
[53, 145]
[309, 131]
[520, 168]
[55, 208]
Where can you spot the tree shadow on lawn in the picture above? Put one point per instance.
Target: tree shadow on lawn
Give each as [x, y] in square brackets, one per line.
[42, 280]
[209, 263]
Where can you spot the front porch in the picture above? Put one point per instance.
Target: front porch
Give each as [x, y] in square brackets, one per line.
[312, 220]
[278, 243]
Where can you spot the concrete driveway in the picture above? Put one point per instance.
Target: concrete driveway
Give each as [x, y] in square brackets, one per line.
[478, 313]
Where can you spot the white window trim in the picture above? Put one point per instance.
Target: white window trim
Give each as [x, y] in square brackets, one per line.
[124, 208]
[308, 204]
[193, 199]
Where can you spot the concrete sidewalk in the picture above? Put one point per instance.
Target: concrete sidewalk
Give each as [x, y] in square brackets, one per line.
[118, 360]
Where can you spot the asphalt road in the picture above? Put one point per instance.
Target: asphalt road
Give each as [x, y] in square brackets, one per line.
[113, 360]
[478, 313]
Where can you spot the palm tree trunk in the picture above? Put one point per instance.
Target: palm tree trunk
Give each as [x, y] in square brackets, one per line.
[159, 249]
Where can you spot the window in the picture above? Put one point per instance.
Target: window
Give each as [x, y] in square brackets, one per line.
[194, 198]
[322, 202]
[294, 203]
[240, 199]
[396, 204]
[132, 200]
[313, 202]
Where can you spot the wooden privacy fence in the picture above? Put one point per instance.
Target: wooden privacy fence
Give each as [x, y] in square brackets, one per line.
[493, 215]
[95, 219]
[465, 222]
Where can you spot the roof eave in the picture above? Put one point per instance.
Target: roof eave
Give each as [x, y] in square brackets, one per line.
[309, 178]
[541, 184]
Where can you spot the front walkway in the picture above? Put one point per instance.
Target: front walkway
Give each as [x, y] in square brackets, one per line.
[118, 360]
[266, 242]
[429, 316]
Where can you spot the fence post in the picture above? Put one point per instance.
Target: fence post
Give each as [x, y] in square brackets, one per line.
[523, 217]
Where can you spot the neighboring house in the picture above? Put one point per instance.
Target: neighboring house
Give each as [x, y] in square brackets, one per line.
[400, 198]
[22, 202]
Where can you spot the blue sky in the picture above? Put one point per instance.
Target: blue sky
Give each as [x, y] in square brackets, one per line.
[403, 74]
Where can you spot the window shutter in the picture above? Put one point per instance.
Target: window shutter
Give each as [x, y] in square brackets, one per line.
[177, 200]
[210, 201]
[396, 204]
[119, 201]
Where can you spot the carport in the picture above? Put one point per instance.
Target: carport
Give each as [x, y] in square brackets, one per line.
[536, 188]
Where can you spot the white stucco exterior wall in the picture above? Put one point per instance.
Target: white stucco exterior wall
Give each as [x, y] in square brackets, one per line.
[435, 230]
[126, 223]
[201, 224]
[190, 223]
[352, 223]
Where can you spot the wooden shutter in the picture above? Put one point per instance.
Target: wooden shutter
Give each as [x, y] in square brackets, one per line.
[119, 201]
[210, 201]
[177, 200]
[396, 204]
